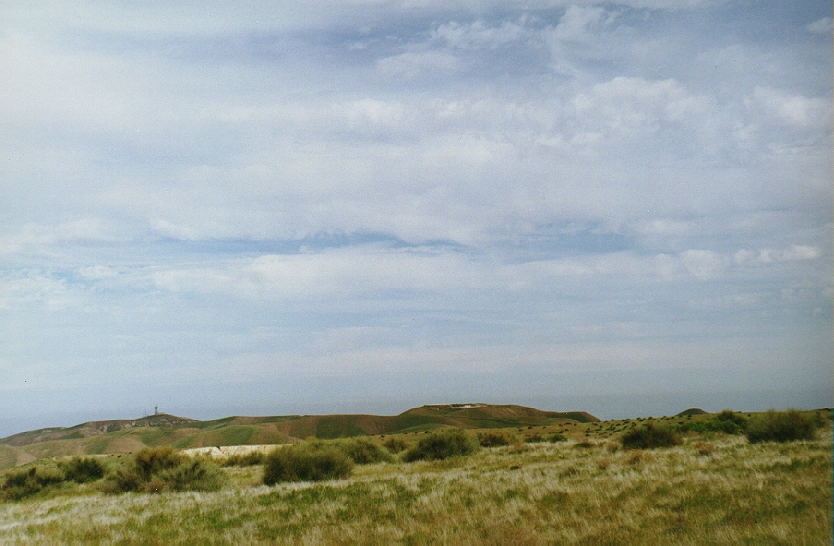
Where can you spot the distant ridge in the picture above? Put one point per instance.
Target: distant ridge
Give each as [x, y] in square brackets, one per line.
[125, 435]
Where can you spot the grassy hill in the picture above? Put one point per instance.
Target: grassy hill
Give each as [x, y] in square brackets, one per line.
[126, 435]
[712, 488]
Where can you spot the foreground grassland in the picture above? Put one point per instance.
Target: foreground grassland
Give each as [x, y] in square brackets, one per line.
[718, 489]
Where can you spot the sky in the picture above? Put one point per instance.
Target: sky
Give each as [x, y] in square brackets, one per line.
[265, 208]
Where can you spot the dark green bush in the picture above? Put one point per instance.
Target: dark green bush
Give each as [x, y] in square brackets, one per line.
[152, 460]
[23, 483]
[444, 443]
[363, 450]
[495, 438]
[395, 445]
[781, 426]
[153, 470]
[649, 436]
[556, 437]
[249, 459]
[710, 425]
[309, 461]
[732, 417]
[82, 470]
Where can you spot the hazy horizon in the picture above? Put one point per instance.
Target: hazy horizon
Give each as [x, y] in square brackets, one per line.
[384, 203]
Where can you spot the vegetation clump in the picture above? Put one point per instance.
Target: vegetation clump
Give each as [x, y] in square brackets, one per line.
[650, 436]
[24, 483]
[495, 438]
[732, 417]
[710, 425]
[363, 450]
[309, 461]
[248, 459]
[395, 445]
[82, 469]
[153, 470]
[449, 442]
[781, 426]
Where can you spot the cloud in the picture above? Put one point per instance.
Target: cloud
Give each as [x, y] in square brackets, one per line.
[414, 64]
[482, 185]
[625, 104]
[479, 34]
[36, 237]
[792, 110]
[34, 289]
[766, 256]
[820, 26]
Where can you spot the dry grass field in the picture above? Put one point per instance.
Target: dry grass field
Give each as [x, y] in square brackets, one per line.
[714, 489]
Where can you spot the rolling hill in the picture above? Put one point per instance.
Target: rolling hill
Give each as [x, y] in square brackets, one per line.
[125, 435]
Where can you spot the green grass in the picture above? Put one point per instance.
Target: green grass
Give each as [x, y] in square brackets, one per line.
[739, 493]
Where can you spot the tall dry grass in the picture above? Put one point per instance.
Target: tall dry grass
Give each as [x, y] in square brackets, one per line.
[731, 493]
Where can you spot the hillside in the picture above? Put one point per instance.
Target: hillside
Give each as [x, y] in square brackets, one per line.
[587, 489]
[125, 435]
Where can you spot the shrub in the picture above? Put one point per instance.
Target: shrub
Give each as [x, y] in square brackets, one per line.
[363, 450]
[248, 459]
[153, 470]
[712, 425]
[395, 445]
[23, 483]
[557, 437]
[534, 439]
[444, 443]
[650, 436]
[494, 438]
[781, 426]
[152, 460]
[191, 474]
[310, 461]
[732, 417]
[82, 470]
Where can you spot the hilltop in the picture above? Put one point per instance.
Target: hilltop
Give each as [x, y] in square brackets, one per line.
[125, 435]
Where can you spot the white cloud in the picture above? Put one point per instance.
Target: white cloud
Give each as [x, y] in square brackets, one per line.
[97, 272]
[793, 253]
[580, 24]
[820, 26]
[479, 34]
[37, 237]
[414, 64]
[703, 264]
[625, 104]
[35, 289]
[793, 110]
